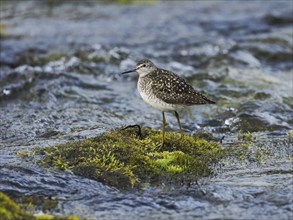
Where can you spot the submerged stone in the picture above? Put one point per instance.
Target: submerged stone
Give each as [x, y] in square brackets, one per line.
[127, 158]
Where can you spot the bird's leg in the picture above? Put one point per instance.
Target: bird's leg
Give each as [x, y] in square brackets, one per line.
[163, 128]
[179, 124]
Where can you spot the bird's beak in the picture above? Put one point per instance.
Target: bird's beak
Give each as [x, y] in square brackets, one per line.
[129, 71]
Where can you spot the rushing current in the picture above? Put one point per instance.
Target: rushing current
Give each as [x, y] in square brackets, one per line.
[59, 81]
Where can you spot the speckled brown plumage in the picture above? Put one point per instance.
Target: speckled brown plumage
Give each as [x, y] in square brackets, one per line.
[173, 89]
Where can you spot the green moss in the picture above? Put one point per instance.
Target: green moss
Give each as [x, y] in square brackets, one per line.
[9, 210]
[51, 217]
[290, 135]
[262, 153]
[245, 142]
[248, 149]
[33, 202]
[2, 30]
[245, 136]
[53, 57]
[202, 134]
[120, 158]
[25, 154]
[259, 156]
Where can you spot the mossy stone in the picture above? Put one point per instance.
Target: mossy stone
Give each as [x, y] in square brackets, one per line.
[9, 210]
[123, 159]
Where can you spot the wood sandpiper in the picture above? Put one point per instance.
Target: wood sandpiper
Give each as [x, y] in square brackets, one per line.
[165, 91]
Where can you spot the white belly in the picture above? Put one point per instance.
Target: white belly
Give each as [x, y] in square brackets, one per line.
[156, 103]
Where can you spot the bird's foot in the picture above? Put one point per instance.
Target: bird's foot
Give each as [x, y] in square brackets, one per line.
[180, 138]
[160, 145]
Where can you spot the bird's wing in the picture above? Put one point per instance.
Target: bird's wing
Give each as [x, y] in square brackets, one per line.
[174, 90]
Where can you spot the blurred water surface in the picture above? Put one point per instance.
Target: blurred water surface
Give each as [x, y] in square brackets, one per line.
[59, 81]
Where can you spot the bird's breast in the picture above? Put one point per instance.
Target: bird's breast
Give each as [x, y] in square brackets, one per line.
[144, 87]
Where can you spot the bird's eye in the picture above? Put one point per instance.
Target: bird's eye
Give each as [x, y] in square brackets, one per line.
[143, 65]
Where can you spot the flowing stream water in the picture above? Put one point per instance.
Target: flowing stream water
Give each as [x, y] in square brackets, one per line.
[59, 82]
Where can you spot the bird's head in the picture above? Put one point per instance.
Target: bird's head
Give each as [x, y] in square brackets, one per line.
[143, 67]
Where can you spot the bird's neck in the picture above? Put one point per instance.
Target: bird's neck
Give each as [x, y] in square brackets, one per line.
[143, 74]
[143, 82]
